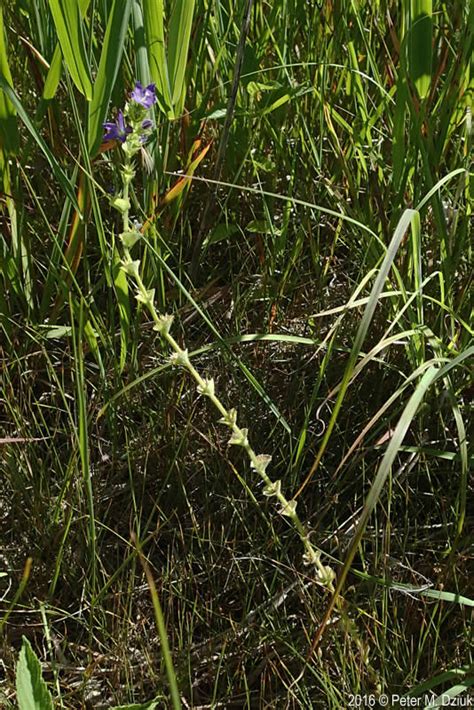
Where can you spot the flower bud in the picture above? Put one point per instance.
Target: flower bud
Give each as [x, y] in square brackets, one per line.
[120, 204]
[163, 324]
[132, 268]
[207, 388]
[129, 239]
[272, 489]
[289, 509]
[239, 437]
[229, 419]
[146, 297]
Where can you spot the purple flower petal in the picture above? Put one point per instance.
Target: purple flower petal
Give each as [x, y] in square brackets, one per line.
[118, 130]
[147, 125]
[145, 97]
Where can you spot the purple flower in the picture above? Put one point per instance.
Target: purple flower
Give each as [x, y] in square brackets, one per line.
[147, 125]
[117, 130]
[145, 97]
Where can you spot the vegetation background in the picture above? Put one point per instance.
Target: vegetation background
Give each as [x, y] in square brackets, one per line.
[310, 128]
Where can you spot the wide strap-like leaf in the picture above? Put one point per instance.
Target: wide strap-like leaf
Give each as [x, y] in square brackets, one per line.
[68, 23]
[178, 46]
[110, 58]
[420, 41]
[8, 125]
[54, 73]
[153, 20]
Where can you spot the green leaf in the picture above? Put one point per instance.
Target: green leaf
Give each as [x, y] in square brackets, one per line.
[220, 232]
[254, 88]
[110, 58]
[8, 125]
[261, 226]
[143, 67]
[31, 690]
[449, 597]
[54, 73]
[55, 331]
[60, 176]
[68, 22]
[153, 16]
[178, 45]
[420, 41]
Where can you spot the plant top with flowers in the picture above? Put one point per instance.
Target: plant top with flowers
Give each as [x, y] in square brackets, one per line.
[132, 129]
[133, 122]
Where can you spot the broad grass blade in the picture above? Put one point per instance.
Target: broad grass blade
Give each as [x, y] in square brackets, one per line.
[420, 45]
[54, 74]
[178, 46]
[8, 125]
[110, 58]
[143, 67]
[68, 22]
[153, 17]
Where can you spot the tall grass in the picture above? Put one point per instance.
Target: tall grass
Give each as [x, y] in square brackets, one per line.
[306, 212]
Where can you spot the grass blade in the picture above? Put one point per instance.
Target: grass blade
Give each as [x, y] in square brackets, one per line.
[376, 489]
[420, 45]
[143, 68]
[60, 176]
[8, 125]
[178, 46]
[110, 58]
[153, 17]
[68, 22]
[54, 73]
[405, 221]
[161, 626]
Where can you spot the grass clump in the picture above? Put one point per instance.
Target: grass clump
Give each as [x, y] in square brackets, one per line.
[296, 231]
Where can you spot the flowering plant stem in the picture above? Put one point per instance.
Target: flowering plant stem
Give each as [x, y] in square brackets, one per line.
[132, 138]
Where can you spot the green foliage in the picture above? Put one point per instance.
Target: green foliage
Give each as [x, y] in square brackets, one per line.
[109, 65]
[55, 167]
[420, 44]
[31, 691]
[329, 217]
[8, 125]
[69, 28]
[178, 49]
[153, 19]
